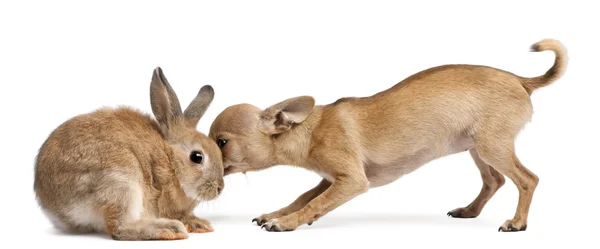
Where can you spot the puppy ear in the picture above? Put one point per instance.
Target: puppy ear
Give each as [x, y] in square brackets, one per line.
[281, 116]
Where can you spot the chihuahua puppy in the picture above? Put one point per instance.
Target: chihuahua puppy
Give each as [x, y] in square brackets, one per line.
[359, 143]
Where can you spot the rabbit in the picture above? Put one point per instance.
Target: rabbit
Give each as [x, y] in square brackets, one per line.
[120, 172]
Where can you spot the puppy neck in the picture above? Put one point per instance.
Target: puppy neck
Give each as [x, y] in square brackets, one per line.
[292, 147]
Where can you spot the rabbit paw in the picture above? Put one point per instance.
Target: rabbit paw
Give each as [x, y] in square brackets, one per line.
[197, 225]
[151, 229]
[170, 230]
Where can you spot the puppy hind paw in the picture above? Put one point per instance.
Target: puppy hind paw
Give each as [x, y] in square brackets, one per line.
[512, 226]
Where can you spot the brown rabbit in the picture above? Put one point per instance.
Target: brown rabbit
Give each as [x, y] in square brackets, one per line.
[121, 172]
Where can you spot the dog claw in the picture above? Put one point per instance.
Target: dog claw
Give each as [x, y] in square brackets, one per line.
[453, 215]
[255, 220]
[511, 228]
[310, 223]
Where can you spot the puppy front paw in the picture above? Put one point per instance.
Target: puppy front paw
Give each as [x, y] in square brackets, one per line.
[463, 213]
[263, 219]
[197, 225]
[281, 224]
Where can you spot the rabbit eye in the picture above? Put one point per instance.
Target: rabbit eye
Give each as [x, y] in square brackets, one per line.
[222, 143]
[196, 157]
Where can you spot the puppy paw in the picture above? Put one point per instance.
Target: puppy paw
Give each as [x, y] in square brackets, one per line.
[462, 213]
[263, 219]
[197, 225]
[285, 223]
[513, 226]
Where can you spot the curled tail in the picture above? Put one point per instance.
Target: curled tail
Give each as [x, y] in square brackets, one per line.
[555, 72]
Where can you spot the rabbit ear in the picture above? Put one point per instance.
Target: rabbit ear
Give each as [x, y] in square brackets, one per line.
[164, 101]
[198, 106]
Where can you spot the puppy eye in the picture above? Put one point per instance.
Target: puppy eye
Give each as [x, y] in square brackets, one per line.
[222, 143]
[197, 157]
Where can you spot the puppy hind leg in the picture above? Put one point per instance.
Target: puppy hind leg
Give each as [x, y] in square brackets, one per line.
[492, 181]
[499, 153]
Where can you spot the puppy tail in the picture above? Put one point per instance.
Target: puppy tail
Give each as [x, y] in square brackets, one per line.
[555, 72]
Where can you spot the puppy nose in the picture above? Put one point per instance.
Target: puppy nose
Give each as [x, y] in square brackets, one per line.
[219, 189]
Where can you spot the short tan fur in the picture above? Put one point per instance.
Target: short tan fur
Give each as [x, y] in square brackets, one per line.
[359, 143]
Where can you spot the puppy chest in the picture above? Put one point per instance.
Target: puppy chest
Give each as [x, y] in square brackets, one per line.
[383, 172]
[326, 176]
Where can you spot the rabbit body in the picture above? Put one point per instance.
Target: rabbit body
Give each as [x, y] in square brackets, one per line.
[119, 171]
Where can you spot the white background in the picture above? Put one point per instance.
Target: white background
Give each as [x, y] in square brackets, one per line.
[59, 59]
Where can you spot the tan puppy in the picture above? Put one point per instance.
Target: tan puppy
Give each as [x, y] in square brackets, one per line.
[360, 143]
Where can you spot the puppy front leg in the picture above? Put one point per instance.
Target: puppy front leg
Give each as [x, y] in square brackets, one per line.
[343, 189]
[298, 204]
